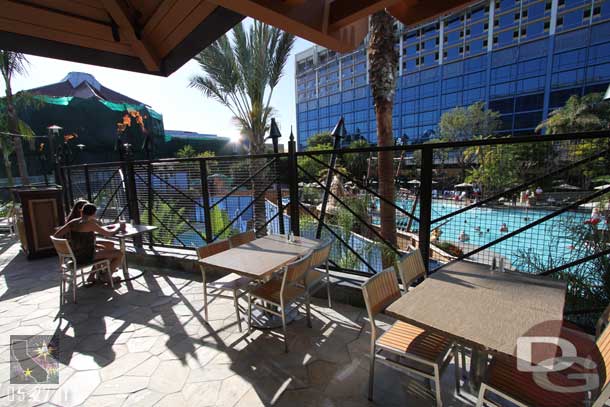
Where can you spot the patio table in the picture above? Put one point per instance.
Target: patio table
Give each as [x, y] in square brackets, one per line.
[259, 259]
[488, 310]
[130, 232]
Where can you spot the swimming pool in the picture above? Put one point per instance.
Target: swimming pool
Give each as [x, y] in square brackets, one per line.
[482, 225]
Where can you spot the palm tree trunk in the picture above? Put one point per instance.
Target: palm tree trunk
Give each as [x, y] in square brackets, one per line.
[8, 170]
[383, 61]
[13, 127]
[259, 182]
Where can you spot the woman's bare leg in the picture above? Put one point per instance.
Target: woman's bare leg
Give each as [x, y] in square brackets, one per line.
[103, 244]
[115, 257]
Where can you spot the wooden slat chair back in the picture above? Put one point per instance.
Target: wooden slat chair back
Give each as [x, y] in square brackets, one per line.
[70, 269]
[63, 249]
[379, 292]
[411, 267]
[602, 322]
[294, 274]
[320, 255]
[237, 285]
[315, 279]
[603, 344]
[242, 238]
[212, 249]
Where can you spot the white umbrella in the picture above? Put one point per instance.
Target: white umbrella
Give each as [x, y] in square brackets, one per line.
[414, 181]
[567, 187]
[463, 185]
[603, 186]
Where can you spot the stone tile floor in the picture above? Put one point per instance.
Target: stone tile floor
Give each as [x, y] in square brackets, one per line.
[147, 344]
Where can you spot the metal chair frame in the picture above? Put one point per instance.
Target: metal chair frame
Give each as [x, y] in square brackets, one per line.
[70, 270]
[390, 292]
[319, 259]
[293, 276]
[218, 287]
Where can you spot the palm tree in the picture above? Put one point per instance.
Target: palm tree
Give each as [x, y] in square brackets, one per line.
[383, 60]
[579, 114]
[14, 63]
[241, 74]
[7, 147]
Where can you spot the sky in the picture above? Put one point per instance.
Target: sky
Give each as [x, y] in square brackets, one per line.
[183, 108]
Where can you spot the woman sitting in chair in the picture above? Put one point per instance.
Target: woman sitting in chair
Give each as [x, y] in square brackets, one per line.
[82, 232]
[77, 212]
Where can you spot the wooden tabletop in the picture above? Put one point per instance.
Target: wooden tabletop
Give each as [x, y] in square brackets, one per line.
[261, 257]
[134, 230]
[469, 302]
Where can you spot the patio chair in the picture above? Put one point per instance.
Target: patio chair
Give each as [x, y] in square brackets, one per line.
[426, 354]
[411, 268]
[279, 297]
[242, 238]
[236, 284]
[8, 223]
[70, 270]
[315, 279]
[507, 382]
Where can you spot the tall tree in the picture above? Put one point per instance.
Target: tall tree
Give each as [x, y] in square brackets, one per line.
[587, 113]
[14, 63]
[461, 124]
[241, 73]
[383, 60]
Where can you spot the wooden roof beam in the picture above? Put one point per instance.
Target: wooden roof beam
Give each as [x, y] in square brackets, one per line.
[345, 12]
[121, 15]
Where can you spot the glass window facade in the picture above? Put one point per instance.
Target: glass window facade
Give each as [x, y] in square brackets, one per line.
[509, 54]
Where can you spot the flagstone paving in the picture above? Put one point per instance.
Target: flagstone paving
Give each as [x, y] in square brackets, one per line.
[146, 343]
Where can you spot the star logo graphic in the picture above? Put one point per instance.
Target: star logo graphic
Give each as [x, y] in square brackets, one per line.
[27, 373]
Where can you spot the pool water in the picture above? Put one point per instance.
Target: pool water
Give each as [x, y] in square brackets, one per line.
[482, 225]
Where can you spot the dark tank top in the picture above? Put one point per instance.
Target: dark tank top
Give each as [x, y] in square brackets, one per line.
[83, 246]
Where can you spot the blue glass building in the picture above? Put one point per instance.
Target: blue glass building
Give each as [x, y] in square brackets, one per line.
[523, 58]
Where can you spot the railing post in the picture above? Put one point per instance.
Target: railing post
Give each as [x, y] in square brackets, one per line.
[293, 180]
[425, 206]
[151, 201]
[205, 197]
[132, 199]
[274, 134]
[337, 134]
[87, 183]
[69, 182]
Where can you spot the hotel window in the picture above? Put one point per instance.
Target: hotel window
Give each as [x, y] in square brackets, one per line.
[478, 14]
[502, 105]
[532, 67]
[530, 84]
[599, 53]
[570, 20]
[503, 89]
[569, 60]
[598, 73]
[473, 95]
[527, 120]
[474, 80]
[477, 29]
[504, 73]
[529, 102]
[452, 84]
[429, 103]
[535, 11]
[568, 78]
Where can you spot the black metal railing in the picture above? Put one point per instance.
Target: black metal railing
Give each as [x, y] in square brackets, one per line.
[454, 201]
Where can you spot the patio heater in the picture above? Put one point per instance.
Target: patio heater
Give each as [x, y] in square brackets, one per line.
[53, 133]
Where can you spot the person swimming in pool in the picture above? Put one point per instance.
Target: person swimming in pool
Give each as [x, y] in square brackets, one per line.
[504, 228]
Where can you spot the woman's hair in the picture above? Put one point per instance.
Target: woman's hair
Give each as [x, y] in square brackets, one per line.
[76, 209]
[89, 209]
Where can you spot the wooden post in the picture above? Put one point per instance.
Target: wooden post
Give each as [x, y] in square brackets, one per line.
[205, 197]
[425, 206]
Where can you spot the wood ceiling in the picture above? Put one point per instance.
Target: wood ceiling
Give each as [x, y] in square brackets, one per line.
[159, 36]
